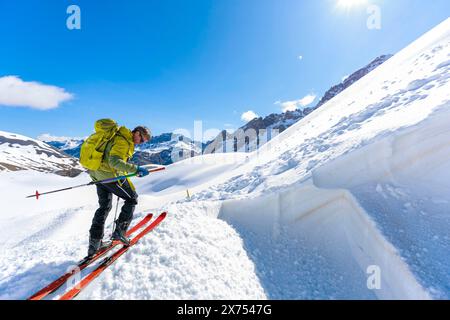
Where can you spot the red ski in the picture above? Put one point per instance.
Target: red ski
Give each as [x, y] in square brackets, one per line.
[55, 285]
[72, 293]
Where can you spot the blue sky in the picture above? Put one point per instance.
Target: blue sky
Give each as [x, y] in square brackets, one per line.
[167, 63]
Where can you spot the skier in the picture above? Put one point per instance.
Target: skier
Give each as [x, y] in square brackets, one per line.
[114, 162]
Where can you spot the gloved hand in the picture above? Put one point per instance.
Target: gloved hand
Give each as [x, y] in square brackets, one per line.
[142, 172]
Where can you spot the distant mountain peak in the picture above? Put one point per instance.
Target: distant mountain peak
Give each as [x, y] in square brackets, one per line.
[278, 122]
[351, 79]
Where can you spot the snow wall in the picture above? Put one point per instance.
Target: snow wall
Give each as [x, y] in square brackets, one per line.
[323, 213]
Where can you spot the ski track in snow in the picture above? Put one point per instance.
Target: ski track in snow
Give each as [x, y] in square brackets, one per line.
[361, 181]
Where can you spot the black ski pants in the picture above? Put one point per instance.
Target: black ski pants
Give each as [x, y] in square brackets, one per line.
[105, 193]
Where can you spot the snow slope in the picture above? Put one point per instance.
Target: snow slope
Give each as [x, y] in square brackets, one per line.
[364, 181]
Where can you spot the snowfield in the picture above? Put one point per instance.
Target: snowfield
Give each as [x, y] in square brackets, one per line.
[361, 184]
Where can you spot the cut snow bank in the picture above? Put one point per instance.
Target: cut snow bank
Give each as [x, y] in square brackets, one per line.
[333, 245]
[403, 182]
[325, 211]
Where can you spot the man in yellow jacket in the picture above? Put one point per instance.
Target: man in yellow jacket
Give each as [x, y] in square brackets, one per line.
[118, 152]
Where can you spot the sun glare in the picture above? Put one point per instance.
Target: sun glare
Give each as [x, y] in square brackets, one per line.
[350, 3]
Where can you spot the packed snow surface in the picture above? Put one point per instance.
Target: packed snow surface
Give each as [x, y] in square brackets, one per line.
[353, 193]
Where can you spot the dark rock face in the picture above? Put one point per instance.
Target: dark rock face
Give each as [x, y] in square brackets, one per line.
[72, 172]
[162, 158]
[335, 90]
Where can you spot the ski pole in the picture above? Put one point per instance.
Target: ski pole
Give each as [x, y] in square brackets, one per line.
[37, 194]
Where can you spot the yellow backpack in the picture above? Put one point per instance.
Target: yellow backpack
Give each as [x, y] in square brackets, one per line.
[91, 153]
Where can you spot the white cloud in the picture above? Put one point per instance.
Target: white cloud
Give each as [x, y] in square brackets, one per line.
[297, 104]
[248, 116]
[14, 92]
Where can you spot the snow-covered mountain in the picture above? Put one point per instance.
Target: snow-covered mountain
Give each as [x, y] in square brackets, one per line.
[350, 202]
[282, 121]
[159, 150]
[18, 152]
[70, 146]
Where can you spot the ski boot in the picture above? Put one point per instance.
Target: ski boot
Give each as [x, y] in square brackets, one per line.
[119, 233]
[96, 245]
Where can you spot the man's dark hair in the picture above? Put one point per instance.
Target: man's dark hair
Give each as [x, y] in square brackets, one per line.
[144, 131]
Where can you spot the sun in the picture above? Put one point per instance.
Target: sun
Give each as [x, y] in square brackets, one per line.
[350, 3]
